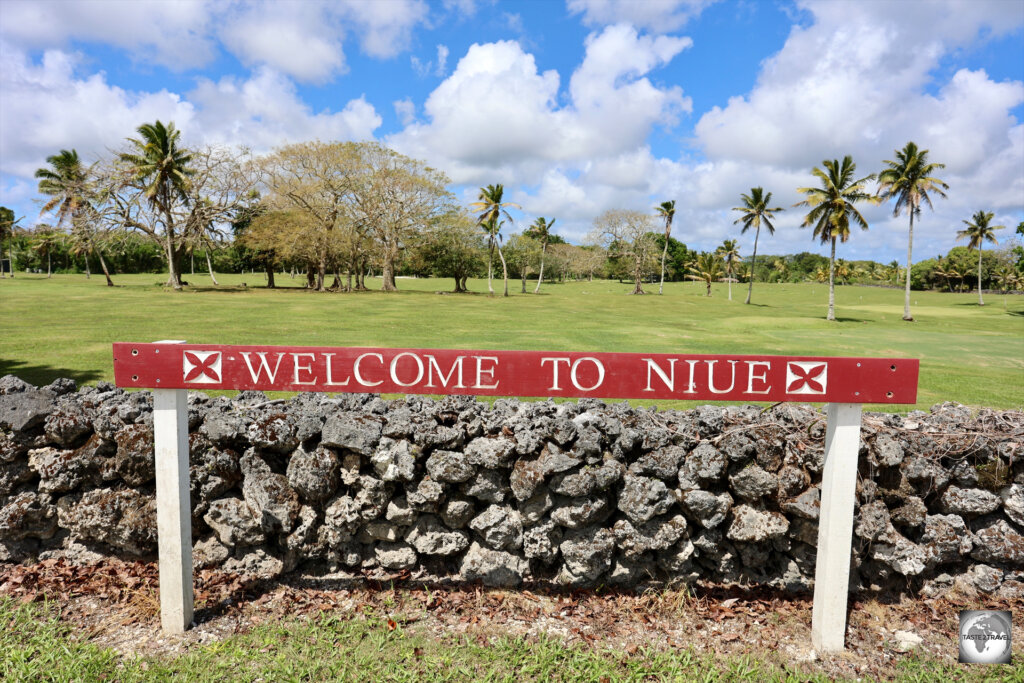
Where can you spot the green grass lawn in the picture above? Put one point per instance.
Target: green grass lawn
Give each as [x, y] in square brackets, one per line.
[64, 326]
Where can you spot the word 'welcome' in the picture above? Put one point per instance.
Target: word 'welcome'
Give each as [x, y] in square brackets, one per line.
[517, 373]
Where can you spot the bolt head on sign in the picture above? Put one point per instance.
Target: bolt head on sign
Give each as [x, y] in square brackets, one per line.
[687, 377]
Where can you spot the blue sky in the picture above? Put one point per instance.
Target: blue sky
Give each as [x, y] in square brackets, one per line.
[576, 106]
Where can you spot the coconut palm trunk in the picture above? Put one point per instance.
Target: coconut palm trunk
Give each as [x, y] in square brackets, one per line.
[490, 269]
[664, 254]
[906, 287]
[540, 275]
[209, 267]
[753, 266]
[832, 283]
[981, 302]
[504, 269]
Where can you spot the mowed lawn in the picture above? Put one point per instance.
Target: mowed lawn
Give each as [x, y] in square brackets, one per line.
[64, 326]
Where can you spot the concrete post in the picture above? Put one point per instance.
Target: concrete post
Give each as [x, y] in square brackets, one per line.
[835, 527]
[173, 508]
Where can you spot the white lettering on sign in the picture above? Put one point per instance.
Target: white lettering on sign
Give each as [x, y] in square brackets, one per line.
[691, 382]
[359, 377]
[394, 369]
[330, 374]
[264, 366]
[554, 370]
[303, 368]
[711, 377]
[456, 366]
[751, 377]
[669, 379]
[481, 371]
[575, 379]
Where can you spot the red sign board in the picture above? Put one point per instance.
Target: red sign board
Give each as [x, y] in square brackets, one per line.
[664, 376]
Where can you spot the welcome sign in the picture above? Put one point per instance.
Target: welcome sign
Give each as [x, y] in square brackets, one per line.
[517, 373]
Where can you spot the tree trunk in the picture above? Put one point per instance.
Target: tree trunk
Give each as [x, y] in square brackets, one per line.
[832, 283]
[387, 275]
[310, 277]
[981, 302]
[504, 269]
[209, 267]
[321, 271]
[490, 269]
[103, 265]
[174, 279]
[540, 276]
[465, 279]
[664, 253]
[270, 275]
[728, 276]
[753, 265]
[49, 270]
[906, 289]
[638, 277]
[87, 273]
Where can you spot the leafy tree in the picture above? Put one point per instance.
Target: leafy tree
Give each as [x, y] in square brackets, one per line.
[627, 236]
[541, 231]
[522, 252]
[909, 180]
[755, 212]
[730, 254]
[833, 207]
[7, 228]
[667, 211]
[45, 240]
[707, 269]
[979, 231]
[162, 166]
[492, 209]
[452, 247]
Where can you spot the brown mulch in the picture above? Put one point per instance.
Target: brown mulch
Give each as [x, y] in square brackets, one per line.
[115, 604]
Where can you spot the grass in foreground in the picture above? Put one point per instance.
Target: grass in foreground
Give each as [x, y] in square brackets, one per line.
[36, 646]
[64, 326]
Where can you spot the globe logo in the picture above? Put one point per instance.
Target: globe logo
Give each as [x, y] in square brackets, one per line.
[985, 637]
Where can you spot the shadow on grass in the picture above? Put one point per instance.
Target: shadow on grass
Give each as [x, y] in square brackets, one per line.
[41, 375]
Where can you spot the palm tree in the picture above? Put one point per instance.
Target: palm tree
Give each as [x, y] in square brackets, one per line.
[731, 255]
[707, 268]
[667, 210]
[909, 181]
[978, 232]
[44, 241]
[163, 166]
[541, 230]
[820, 275]
[833, 206]
[755, 212]
[780, 266]
[491, 210]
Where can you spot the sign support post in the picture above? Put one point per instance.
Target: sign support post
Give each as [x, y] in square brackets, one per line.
[835, 527]
[173, 508]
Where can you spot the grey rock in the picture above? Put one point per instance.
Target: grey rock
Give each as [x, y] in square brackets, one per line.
[1013, 503]
[588, 442]
[488, 485]
[68, 424]
[898, 552]
[753, 483]
[737, 447]
[378, 530]
[985, 578]
[708, 509]
[399, 512]
[654, 535]
[134, 461]
[526, 477]
[274, 433]
[341, 520]
[872, 521]
[806, 505]
[314, 474]
[395, 460]
[395, 556]
[792, 480]
[663, 463]
[705, 464]
[457, 511]
[10, 384]
[925, 474]
[532, 510]
[493, 567]
[888, 452]
[124, 519]
[1000, 543]
[257, 563]
[273, 502]
[945, 539]
[21, 411]
[27, 515]
[500, 527]
[223, 429]
[541, 542]
[575, 513]
[209, 552]
[426, 496]
[305, 531]
[12, 475]
[553, 460]
[490, 453]
[911, 514]
[968, 502]
[750, 524]
[629, 570]
[587, 555]
[430, 537]
[233, 523]
[642, 498]
[678, 561]
[354, 432]
[61, 471]
[372, 496]
[450, 466]
[563, 430]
